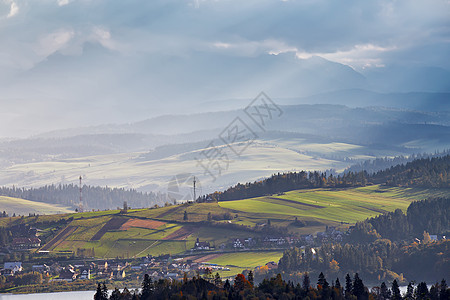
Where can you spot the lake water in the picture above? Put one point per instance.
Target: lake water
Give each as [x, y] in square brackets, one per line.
[82, 295]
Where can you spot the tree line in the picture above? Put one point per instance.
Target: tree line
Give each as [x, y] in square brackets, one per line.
[426, 172]
[382, 247]
[382, 163]
[379, 260]
[93, 197]
[431, 215]
[274, 288]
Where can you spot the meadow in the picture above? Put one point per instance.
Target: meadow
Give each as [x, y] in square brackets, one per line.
[332, 205]
[24, 207]
[156, 231]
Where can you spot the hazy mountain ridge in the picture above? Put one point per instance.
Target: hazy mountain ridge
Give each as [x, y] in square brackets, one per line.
[367, 126]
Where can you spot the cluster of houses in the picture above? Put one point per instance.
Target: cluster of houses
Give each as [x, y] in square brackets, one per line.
[26, 237]
[25, 243]
[69, 272]
[331, 234]
[163, 267]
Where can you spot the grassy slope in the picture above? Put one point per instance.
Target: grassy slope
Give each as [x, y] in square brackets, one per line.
[318, 207]
[247, 259]
[333, 205]
[24, 207]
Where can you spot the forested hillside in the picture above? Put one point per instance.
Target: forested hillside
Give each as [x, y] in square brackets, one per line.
[432, 216]
[382, 163]
[425, 172]
[382, 248]
[92, 197]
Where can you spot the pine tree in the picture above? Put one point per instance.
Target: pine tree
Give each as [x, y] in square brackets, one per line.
[384, 291]
[348, 286]
[147, 288]
[421, 291]
[185, 217]
[217, 280]
[337, 284]
[444, 293]
[409, 292]
[227, 285]
[321, 280]
[358, 286]
[115, 295]
[396, 291]
[250, 278]
[306, 282]
[98, 294]
[105, 291]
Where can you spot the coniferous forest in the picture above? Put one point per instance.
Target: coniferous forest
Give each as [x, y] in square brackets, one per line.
[92, 197]
[274, 288]
[382, 248]
[425, 172]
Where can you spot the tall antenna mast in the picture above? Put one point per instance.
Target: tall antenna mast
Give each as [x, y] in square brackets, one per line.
[81, 194]
[194, 189]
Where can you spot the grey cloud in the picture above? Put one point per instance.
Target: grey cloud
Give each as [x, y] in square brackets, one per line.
[113, 61]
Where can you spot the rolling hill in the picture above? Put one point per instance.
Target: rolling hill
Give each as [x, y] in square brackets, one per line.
[147, 155]
[24, 207]
[162, 230]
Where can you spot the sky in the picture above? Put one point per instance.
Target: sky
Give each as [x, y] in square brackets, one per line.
[70, 63]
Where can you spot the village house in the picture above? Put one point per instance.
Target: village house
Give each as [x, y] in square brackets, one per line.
[118, 274]
[237, 243]
[199, 246]
[22, 243]
[85, 273]
[40, 268]
[250, 242]
[10, 268]
[308, 239]
[136, 268]
[66, 274]
[171, 275]
[275, 240]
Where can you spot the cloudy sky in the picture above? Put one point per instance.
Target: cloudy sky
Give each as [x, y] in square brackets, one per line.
[68, 63]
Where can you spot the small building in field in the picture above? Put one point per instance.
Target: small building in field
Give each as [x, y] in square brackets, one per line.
[237, 243]
[201, 246]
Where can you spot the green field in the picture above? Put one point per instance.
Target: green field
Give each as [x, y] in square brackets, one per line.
[247, 259]
[332, 205]
[24, 207]
[159, 231]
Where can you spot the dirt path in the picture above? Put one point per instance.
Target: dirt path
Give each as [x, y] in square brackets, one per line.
[59, 237]
[297, 203]
[180, 234]
[113, 224]
[167, 212]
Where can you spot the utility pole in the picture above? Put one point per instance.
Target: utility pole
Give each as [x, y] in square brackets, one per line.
[80, 205]
[81, 194]
[194, 189]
